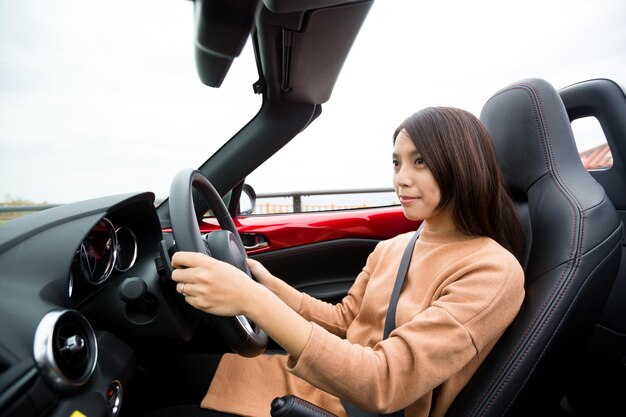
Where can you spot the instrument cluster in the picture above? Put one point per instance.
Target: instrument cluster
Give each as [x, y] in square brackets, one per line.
[105, 249]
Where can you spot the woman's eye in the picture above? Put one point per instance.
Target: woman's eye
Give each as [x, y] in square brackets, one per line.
[395, 162]
[419, 161]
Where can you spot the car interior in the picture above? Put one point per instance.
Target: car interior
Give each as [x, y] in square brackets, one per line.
[81, 337]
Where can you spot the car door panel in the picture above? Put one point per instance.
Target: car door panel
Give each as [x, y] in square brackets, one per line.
[320, 253]
[325, 270]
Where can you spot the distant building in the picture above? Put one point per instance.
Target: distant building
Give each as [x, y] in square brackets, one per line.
[598, 157]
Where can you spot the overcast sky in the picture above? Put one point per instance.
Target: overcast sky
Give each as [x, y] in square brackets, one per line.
[86, 85]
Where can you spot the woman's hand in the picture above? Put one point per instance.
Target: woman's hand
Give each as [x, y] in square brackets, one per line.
[288, 294]
[211, 285]
[260, 273]
[221, 289]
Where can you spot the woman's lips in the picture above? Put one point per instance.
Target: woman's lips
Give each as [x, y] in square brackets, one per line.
[405, 200]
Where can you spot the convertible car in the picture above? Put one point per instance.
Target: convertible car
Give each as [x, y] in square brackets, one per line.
[90, 321]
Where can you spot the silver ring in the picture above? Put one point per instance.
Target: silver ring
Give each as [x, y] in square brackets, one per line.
[182, 290]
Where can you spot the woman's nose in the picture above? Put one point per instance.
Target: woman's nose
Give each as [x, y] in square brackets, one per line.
[403, 179]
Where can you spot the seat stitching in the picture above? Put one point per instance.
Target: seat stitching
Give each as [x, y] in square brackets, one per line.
[544, 134]
[578, 260]
[539, 117]
[558, 172]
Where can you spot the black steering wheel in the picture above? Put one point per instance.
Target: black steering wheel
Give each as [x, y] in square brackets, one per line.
[242, 336]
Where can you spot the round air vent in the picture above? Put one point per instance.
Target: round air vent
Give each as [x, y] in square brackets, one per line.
[65, 349]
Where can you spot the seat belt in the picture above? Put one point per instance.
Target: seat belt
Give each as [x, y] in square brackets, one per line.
[390, 321]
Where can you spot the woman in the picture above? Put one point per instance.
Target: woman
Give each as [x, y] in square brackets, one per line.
[463, 288]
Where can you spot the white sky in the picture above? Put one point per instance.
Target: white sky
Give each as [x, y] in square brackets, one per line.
[86, 85]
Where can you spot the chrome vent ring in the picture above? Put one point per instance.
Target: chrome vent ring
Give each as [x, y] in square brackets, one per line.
[65, 349]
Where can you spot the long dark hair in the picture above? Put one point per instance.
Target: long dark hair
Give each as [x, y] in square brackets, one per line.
[458, 150]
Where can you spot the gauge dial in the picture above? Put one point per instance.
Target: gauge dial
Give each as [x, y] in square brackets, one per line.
[126, 248]
[96, 256]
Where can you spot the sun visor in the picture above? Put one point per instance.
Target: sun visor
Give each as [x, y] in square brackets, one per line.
[221, 30]
[302, 53]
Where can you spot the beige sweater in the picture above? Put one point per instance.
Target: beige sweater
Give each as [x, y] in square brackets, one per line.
[460, 294]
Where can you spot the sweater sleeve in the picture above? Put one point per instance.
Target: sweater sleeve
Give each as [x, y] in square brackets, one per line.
[472, 309]
[336, 318]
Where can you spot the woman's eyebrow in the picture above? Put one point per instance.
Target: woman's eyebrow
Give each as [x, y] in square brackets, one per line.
[411, 153]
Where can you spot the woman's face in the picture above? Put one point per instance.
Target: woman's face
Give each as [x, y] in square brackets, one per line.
[415, 185]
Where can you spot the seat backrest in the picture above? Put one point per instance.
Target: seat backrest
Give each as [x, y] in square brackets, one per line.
[573, 249]
[600, 382]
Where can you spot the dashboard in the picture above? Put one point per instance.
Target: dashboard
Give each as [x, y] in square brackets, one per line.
[80, 284]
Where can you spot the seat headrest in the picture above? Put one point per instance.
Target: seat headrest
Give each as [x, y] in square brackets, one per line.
[558, 200]
[531, 132]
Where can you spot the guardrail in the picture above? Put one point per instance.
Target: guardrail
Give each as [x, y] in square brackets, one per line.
[295, 196]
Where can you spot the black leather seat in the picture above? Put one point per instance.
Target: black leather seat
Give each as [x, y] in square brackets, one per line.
[600, 383]
[573, 250]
